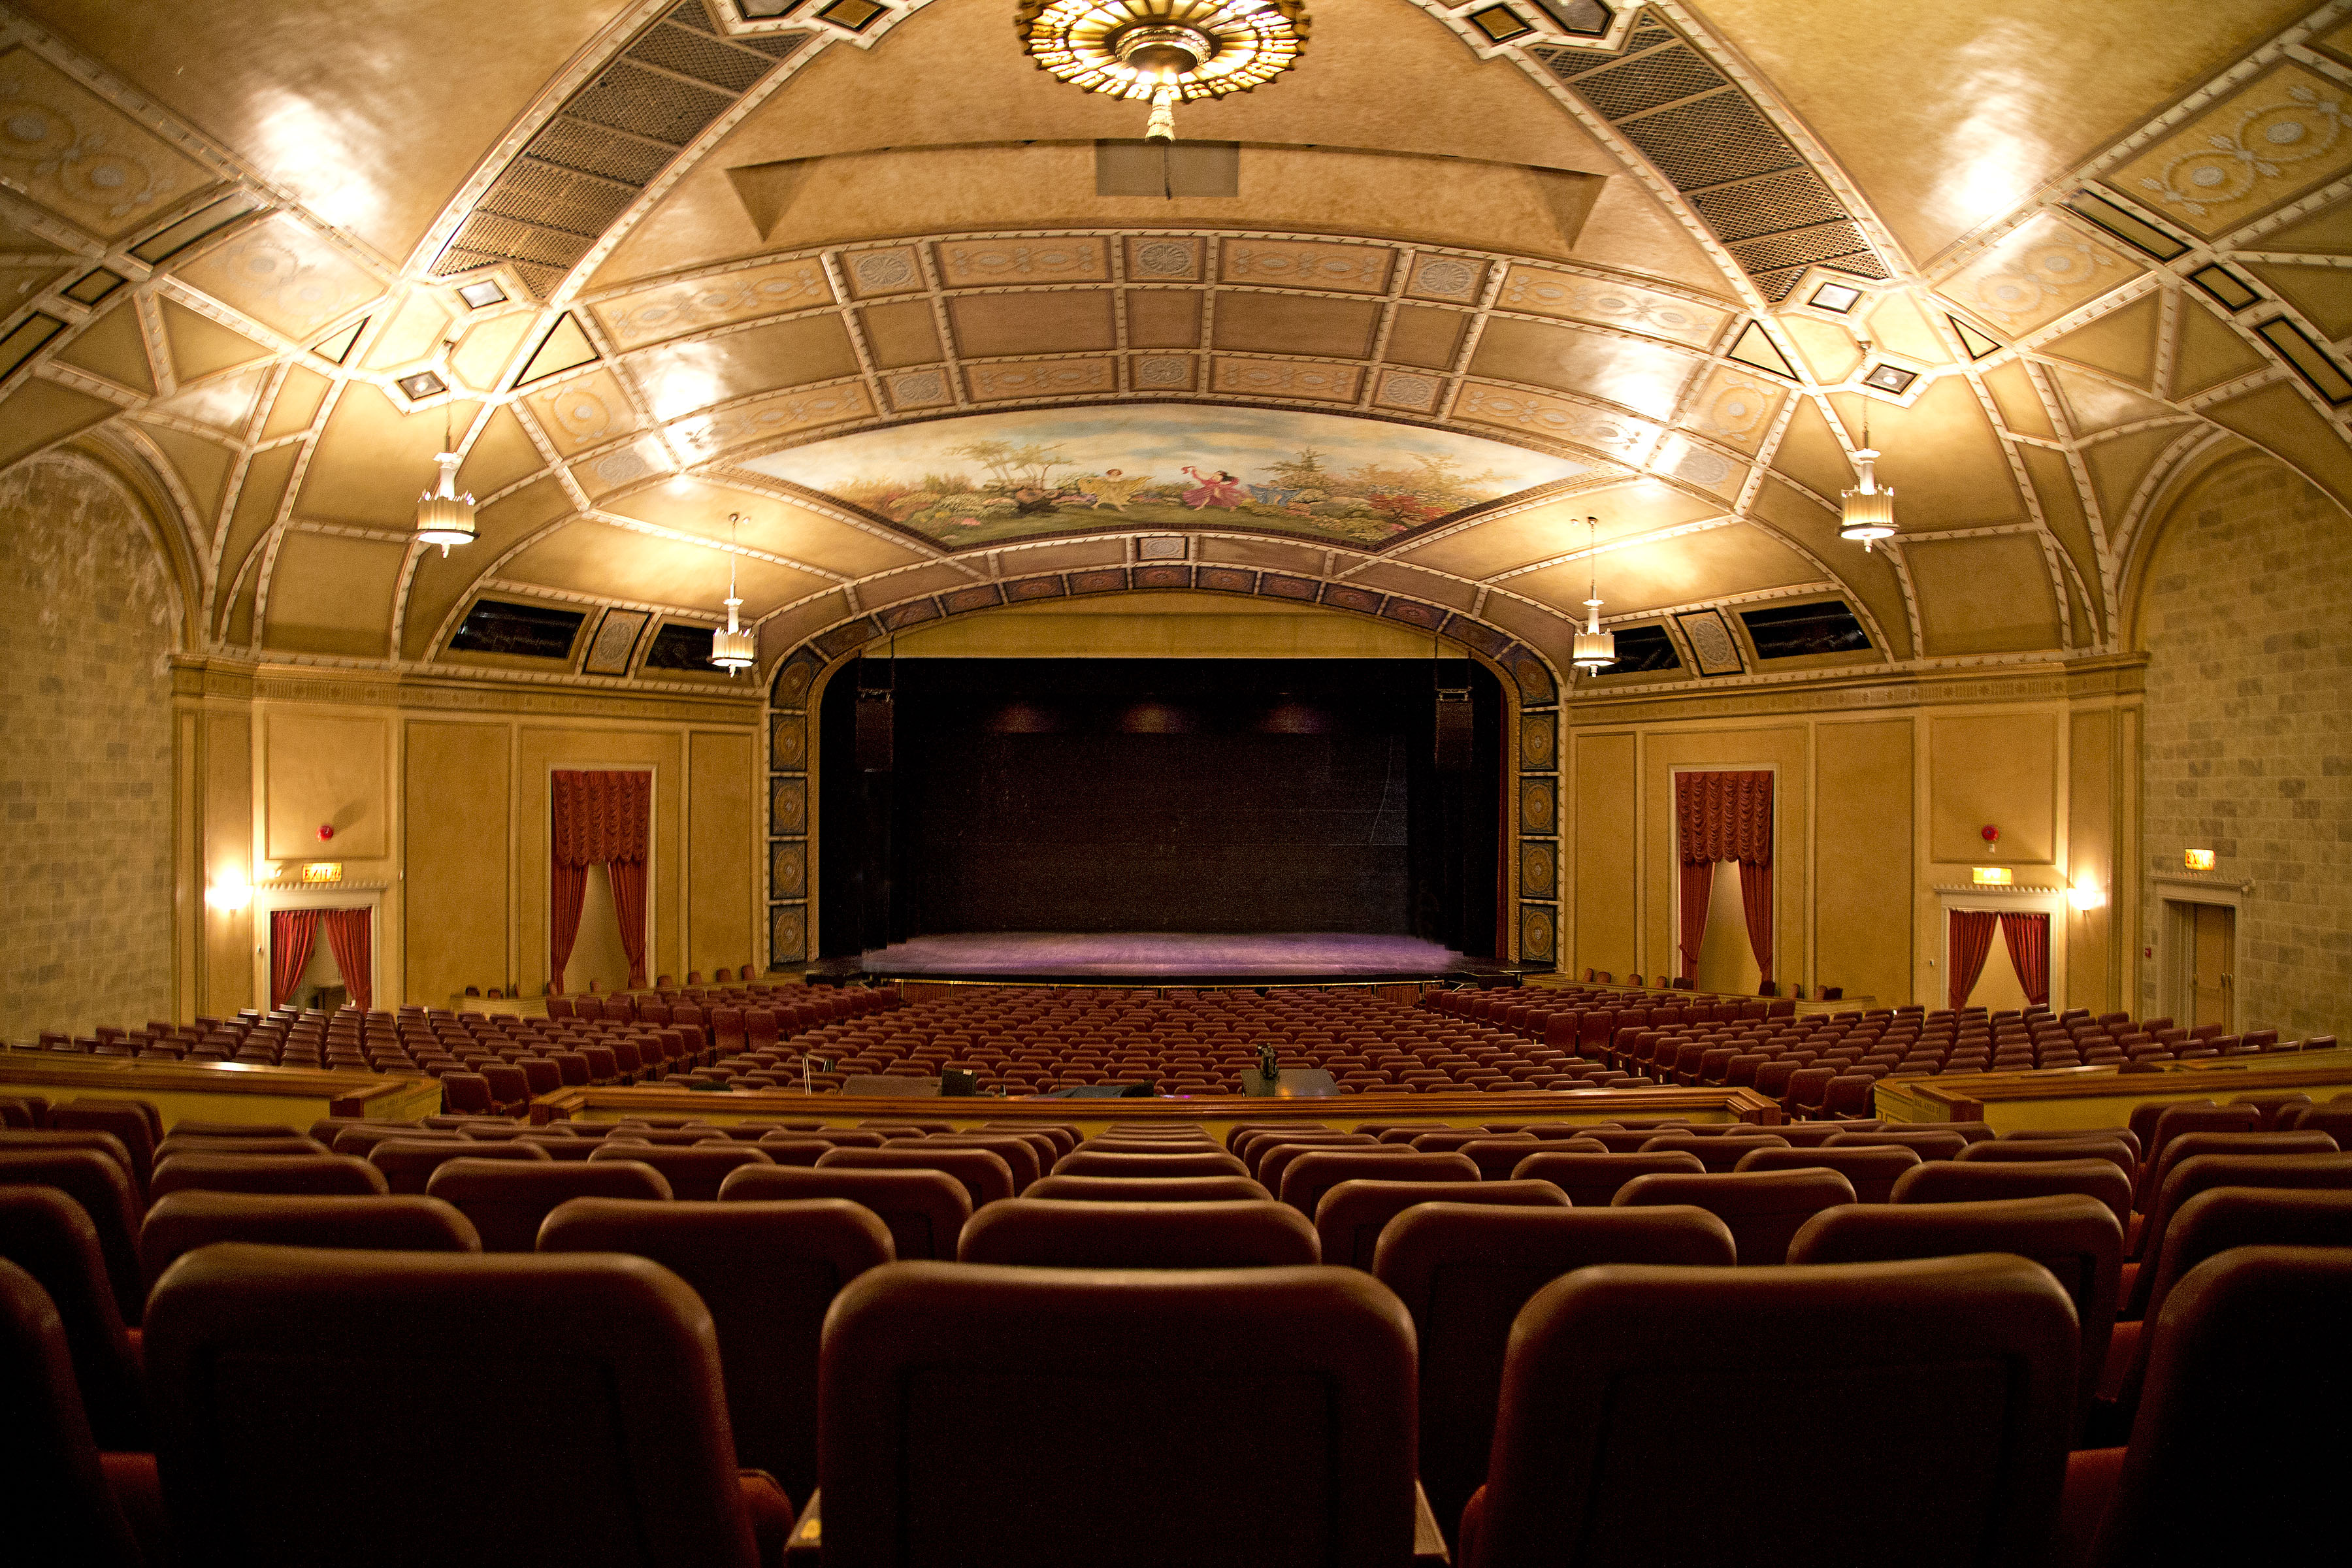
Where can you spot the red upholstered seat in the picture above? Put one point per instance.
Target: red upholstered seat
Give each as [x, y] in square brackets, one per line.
[1763, 1208]
[319, 1176]
[1019, 1154]
[982, 1171]
[1352, 1216]
[1972, 1181]
[1718, 1152]
[1872, 1169]
[694, 1173]
[1591, 1181]
[507, 1199]
[1933, 1143]
[1149, 1189]
[1496, 1158]
[132, 1120]
[606, 1420]
[1464, 1272]
[2189, 1177]
[1079, 1392]
[50, 1237]
[768, 1271]
[1063, 1234]
[184, 1221]
[2011, 1150]
[54, 1490]
[1953, 1382]
[408, 1163]
[1103, 1158]
[924, 1210]
[1306, 1177]
[98, 1182]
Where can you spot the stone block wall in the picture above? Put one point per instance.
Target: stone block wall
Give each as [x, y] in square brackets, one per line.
[87, 630]
[2250, 735]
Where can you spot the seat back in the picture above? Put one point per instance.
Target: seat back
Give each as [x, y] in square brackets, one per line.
[1464, 1273]
[318, 1175]
[1871, 1168]
[1352, 1216]
[1496, 1158]
[1953, 1378]
[1102, 1159]
[1971, 1181]
[2247, 1348]
[1150, 1189]
[408, 1163]
[1271, 1163]
[768, 1271]
[2188, 1145]
[2192, 1176]
[537, 1398]
[982, 1171]
[1591, 1181]
[50, 1237]
[179, 1142]
[100, 1184]
[924, 1210]
[132, 1120]
[1060, 1233]
[1019, 1154]
[1933, 1143]
[1763, 1208]
[2005, 1150]
[694, 1171]
[53, 1491]
[1081, 1391]
[507, 1199]
[1717, 1152]
[1306, 1179]
[184, 1221]
[2075, 1237]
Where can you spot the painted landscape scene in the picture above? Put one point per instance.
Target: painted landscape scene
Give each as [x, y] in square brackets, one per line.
[993, 476]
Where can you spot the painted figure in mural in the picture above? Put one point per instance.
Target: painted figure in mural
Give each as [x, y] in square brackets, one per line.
[1112, 488]
[1222, 491]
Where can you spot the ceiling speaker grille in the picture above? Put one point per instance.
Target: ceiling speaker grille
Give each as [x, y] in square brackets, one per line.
[579, 173]
[1743, 178]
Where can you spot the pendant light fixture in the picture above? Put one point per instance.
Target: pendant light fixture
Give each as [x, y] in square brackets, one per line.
[1595, 649]
[737, 648]
[1869, 506]
[443, 516]
[1163, 52]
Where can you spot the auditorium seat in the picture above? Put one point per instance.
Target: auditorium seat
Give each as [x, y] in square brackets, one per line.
[507, 1199]
[1496, 1158]
[1306, 1177]
[2076, 1238]
[1018, 1416]
[184, 1221]
[2188, 1145]
[1718, 1152]
[1912, 1413]
[100, 1184]
[359, 1138]
[2222, 1466]
[408, 1163]
[179, 1143]
[61, 1501]
[1098, 1159]
[1591, 1181]
[1972, 1181]
[318, 1175]
[1020, 1155]
[694, 1173]
[1063, 1233]
[983, 1173]
[1464, 1272]
[768, 1271]
[924, 1210]
[1149, 1189]
[1273, 1162]
[1352, 1215]
[132, 1120]
[1932, 1143]
[2011, 1151]
[792, 1147]
[1873, 1169]
[50, 1237]
[2192, 1176]
[297, 1390]
[1763, 1208]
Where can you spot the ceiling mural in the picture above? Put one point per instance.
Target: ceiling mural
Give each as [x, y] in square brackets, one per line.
[864, 277]
[997, 477]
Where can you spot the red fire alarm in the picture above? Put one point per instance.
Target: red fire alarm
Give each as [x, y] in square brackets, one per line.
[326, 831]
[1991, 833]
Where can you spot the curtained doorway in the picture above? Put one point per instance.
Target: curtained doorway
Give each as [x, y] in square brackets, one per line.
[598, 954]
[322, 958]
[1727, 954]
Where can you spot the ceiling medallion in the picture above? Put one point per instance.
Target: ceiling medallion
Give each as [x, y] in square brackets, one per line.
[1164, 51]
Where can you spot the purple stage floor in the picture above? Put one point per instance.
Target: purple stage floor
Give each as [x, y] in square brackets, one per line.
[1141, 953]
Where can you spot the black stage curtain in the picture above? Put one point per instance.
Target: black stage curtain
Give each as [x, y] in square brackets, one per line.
[1178, 795]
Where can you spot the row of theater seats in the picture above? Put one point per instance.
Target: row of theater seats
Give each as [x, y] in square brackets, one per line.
[1907, 1373]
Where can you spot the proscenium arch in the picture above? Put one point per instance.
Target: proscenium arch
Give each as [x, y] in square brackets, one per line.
[795, 684]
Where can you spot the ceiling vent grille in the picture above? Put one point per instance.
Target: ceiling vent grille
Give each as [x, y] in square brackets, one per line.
[1743, 178]
[573, 180]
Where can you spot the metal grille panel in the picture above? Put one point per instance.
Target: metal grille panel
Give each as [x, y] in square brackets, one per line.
[1634, 86]
[1714, 140]
[1800, 246]
[629, 97]
[593, 150]
[704, 59]
[1767, 205]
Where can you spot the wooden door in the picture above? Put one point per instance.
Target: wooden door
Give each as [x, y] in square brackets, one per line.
[2213, 959]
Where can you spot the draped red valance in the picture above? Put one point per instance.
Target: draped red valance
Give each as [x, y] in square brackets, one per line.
[1725, 816]
[601, 818]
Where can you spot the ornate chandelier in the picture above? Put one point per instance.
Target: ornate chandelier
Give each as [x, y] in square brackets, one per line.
[737, 648]
[1869, 506]
[1595, 649]
[1163, 51]
[444, 516]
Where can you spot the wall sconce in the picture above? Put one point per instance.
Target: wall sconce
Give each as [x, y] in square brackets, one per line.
[2086, 895]
[228, 896]
[2198, 859]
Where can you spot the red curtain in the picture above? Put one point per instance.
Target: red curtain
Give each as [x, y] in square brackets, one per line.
[1756, 902]
[2028, 936]
[1971, 941]
[291, 932]
[1726, 816]
[567, 891]
[347, 936]
[598, 818]
[629, 909]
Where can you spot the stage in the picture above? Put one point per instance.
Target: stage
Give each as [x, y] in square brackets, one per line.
[1170, 957]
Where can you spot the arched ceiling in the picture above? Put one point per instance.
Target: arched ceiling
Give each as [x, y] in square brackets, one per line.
[1479, 275]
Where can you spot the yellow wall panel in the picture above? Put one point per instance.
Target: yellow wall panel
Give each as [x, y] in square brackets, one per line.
[1862, 858]
[1994, 770]
[228, 816]
[719, 849]
[326, 771]
[2092, 972]
[1605, 856]
[457, 795]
